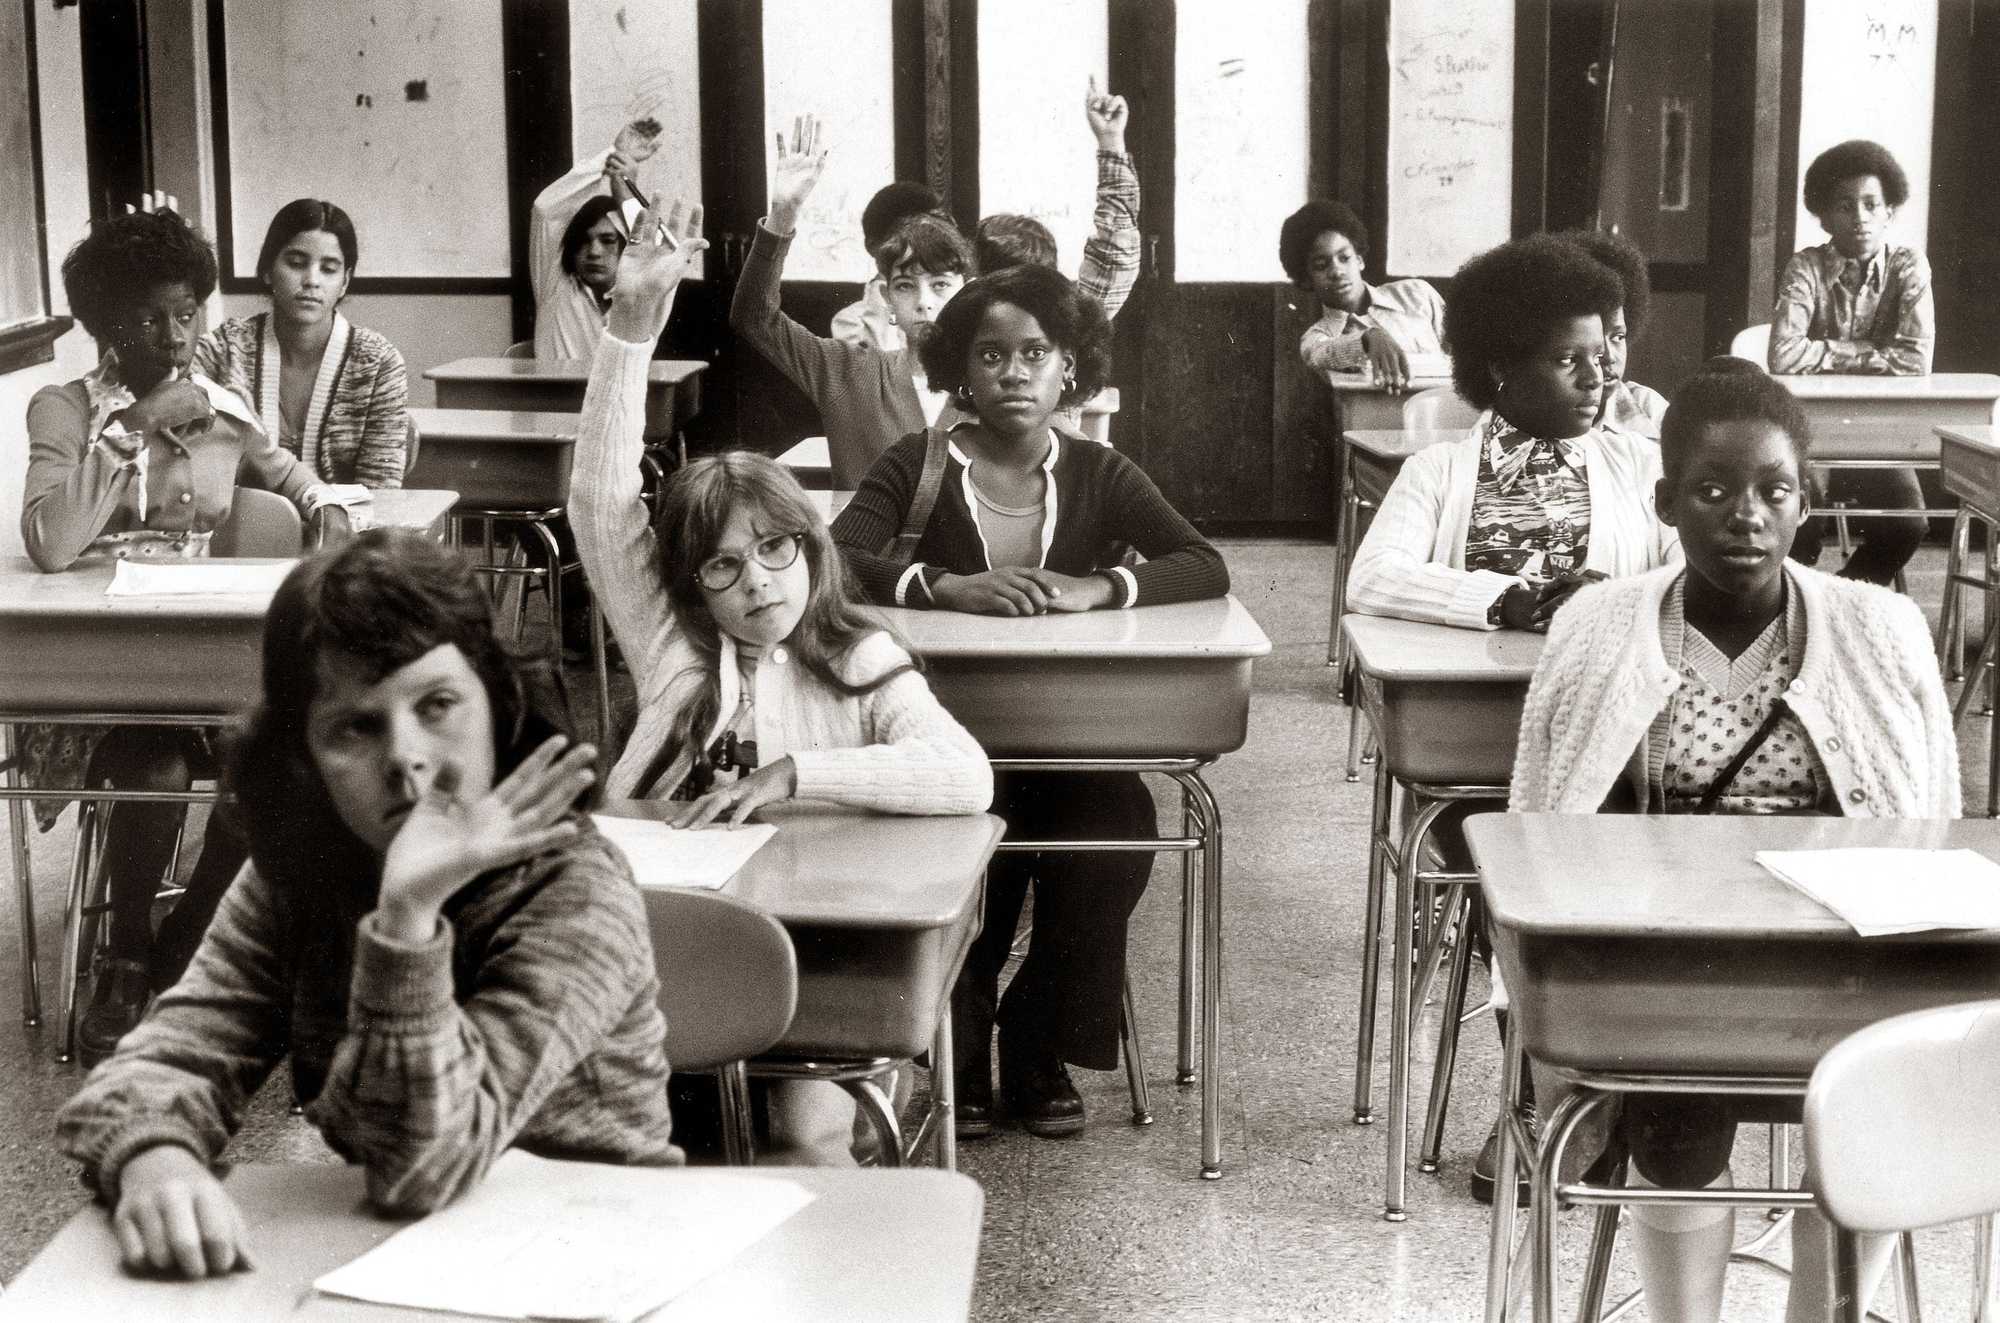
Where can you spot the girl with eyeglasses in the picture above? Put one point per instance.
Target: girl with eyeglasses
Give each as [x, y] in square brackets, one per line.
[758, 678]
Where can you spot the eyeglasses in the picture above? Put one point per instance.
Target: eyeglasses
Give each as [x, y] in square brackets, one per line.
[777, 552]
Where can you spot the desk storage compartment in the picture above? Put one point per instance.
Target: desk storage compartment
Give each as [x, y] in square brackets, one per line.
[496, 474]
[1971, 473]
[667, 406]
[1712, 1006]
[1451, 732]
[164, 664]
[1081, 707]
[855, 988]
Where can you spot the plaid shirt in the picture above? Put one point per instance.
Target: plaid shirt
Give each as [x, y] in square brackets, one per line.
[1839, 314]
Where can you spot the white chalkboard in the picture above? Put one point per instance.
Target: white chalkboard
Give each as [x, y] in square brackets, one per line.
[1240, 106]
[1451, 133]
[1036, 153]
[392, 109]
[1870, 71]
[833, 59]
[628, 61]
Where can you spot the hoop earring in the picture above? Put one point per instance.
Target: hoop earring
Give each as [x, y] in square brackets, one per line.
[1069, 380]
[964, 395]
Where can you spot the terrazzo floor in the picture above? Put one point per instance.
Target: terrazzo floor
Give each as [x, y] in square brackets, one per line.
[1116, 1224]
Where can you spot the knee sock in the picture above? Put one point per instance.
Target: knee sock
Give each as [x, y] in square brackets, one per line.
[1683, 1253]
[1812, 1265]
[812, 1125]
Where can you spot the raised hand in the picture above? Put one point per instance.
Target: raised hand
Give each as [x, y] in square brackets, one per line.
[157, 200]
[637, 141]
[654, 263]
[1107, 115]
[796, 173]
[449, 839]
[173, 1216]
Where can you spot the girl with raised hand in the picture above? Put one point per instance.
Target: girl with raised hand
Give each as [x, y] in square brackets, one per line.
[454, 962]
[758, 678]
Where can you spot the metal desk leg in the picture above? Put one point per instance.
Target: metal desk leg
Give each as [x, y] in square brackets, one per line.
[1184, 1065]
[1500, 1229]
[881, 1114]
[1447, 1053]
[1951, 610]
[92, 827]
[1211, 973]
[944, 1091]
[1569, 1114]
[24, 883]
[1343, 554]
[1985, 1271]
[1135, 1062]
[1371, 947]
[1402, 1013]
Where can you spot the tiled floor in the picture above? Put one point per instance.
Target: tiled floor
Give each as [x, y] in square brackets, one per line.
[1116, 1224]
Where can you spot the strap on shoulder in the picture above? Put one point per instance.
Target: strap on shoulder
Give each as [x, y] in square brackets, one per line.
[929, 484]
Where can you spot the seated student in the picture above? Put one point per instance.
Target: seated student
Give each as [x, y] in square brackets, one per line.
[758, 678]
[429, 928]
[1628, 406]
[1497, 529]
[139, 458]
[1323, 247]
[575, 234]
[1741, 683]
[333, 393]
[1026, 518]
[865, 397]
[869, 322]
[1111, 254]
[1860, 304]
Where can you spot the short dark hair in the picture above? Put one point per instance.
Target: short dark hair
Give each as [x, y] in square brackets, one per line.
[300, 216]
[928, 240]
[594, 209]
[1728, 390]
[1624, 261]
[891, 206]
[125, 257]
[382, 600]
[1075, 322]
[1008, 239]
[1506, 302]
[1304, 226]
[1854, 159]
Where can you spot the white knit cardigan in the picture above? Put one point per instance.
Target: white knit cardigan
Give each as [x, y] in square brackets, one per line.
[1867, 693]
[1412, 563]
[893, 749]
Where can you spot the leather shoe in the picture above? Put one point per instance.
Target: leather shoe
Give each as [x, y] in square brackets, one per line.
[117, 1001]
[1037, 1090]
[1486, 1167]
[972, 1086]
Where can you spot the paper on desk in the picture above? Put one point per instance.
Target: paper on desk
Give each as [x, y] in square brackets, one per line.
[169, 578]
[570, 1240]
[664, 857]
[1881, 891]
[1424, 365]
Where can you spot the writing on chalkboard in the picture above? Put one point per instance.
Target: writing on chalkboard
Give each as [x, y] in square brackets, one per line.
[1450, 134]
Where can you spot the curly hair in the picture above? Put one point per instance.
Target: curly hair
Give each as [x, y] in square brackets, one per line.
[301, 216]
[124, 257]
[1625, 262]
[1297, 235]
[1506, 302]
[382, 600]
[1854, 159]
[1728, 390]
[891, 206]
[926, 240]
[1006, 239]
[1074, 322]
[594, 209]
[694, 509]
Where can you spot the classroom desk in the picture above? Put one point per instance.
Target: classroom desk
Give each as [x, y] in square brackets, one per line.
[874, 1244]
[828, 503]
[1643, 953]
[418, 507]
[881, 911]
[496, 458]
[1365, 406]
[1868, 422]
[1969, 463]
[555, 385]
[1369, 460]
[1446, 705]
[1163, 689]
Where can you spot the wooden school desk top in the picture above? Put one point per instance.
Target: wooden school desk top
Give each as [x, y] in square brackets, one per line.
[1395, 443]
[1855, 386]
[1217, 628]
[1359, 382]
[661, 371]
[1969, 462]
[1413, 650]
[888, 1244]
[528, 427]
[418, 508]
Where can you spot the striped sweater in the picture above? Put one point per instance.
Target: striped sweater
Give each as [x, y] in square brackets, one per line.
[358, 421]
[531, 1019]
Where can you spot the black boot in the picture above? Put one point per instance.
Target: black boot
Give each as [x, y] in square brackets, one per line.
[1037, 1088]
[117, 1001]
[971, 1066]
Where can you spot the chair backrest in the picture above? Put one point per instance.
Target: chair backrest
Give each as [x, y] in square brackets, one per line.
[729, 980]
[260, 523]
[412, 440]
[1753, 343]
[520, 349]
[1435, 409]
[1900, 1120]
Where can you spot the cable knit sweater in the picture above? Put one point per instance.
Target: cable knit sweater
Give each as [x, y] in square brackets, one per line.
[893, 749]
[1412, 563]
[1867, 693]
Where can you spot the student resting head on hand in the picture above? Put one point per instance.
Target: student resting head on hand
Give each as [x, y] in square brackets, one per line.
[1323, 247]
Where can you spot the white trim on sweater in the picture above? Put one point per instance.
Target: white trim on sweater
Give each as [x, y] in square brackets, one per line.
[1867, 693]
[1412, 563]
[894, 749]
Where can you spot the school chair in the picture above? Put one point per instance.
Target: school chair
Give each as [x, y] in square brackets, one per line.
[1438, 409]
[1753, 343]
[1899, 1119]
[729, 983]
[260, 523]
[520, 349]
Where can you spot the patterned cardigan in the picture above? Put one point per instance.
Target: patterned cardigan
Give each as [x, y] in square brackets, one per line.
[358, 421]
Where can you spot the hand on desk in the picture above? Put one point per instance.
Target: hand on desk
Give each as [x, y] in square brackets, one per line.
[1016, 590]
[1386, 358]
[1532, 606]
[173, 1216]
[767, 785]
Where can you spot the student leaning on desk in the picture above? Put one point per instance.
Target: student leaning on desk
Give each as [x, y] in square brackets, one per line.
[1743, 683]
[453, 960]
[758, 678]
